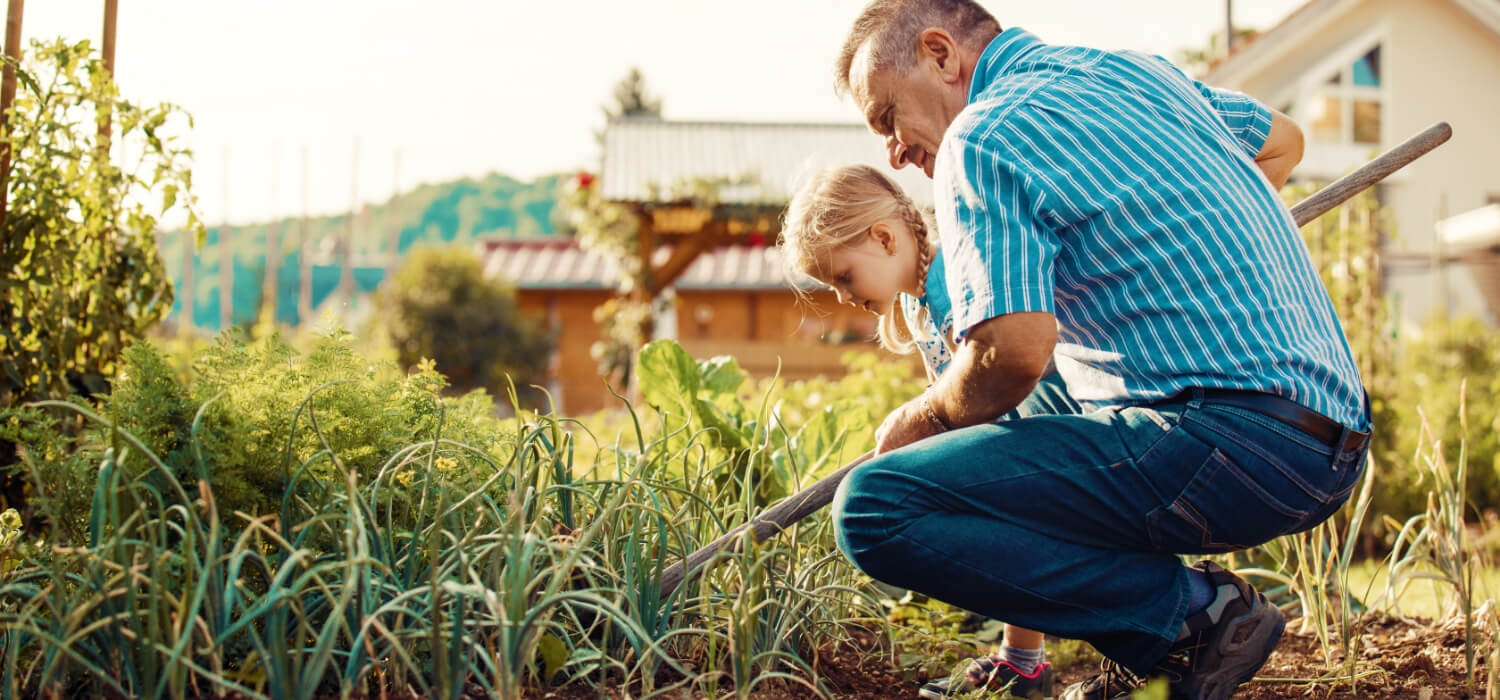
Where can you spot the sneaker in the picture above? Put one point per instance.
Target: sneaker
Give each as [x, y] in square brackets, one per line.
[994, 674]
[1215, 657]
[1113, 682]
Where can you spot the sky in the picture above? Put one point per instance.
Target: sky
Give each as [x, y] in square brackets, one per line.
[460, 88]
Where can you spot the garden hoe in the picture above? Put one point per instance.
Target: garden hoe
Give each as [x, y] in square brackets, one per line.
[803, 503]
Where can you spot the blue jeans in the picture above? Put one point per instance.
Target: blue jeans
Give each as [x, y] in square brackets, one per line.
[1069, 522]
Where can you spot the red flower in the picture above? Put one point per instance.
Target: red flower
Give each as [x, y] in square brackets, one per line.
[584, 180]
[756, 238]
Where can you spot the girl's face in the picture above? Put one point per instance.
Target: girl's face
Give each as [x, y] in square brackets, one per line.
[869, 272]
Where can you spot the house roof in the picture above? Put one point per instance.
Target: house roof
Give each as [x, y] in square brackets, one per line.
[558, 263]
[1308, 19]
[645, 153]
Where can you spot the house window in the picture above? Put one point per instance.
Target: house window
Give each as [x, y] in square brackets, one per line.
[1347, 106]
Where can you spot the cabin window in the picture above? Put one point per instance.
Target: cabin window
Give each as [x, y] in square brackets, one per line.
[1347, 106]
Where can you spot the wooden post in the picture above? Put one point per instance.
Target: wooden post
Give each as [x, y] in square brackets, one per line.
[111, 11]
[8, 96]
[189, 298]
[304, 279]
[393, 221]
[346, 279]
[1228, 27]
[226, 258]
[645, 292]
[272, 291]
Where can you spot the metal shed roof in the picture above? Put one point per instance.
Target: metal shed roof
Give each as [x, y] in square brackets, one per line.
[642, 153]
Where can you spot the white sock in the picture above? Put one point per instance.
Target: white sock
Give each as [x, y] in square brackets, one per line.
[1025, 660]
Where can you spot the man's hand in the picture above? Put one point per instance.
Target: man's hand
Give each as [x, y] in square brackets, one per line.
[904, 426]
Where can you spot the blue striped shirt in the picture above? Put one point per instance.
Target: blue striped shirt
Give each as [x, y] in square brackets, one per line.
[1118, 194]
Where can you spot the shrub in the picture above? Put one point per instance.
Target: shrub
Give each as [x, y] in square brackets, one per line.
[439, 306]
[268, 414]
[1429, 371]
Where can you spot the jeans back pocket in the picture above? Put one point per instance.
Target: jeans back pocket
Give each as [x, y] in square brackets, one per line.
[1224, 508]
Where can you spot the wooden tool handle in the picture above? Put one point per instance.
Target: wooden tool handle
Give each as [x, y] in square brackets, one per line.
[784, 514]
[1370, 173]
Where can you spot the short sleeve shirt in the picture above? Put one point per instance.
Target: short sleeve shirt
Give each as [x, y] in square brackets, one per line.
[1111, 190]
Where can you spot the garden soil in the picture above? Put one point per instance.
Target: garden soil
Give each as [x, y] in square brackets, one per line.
[1399, 659]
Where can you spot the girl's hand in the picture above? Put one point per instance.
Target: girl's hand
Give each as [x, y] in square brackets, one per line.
[905, 426]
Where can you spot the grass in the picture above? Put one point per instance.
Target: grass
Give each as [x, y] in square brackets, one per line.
[1424, 598]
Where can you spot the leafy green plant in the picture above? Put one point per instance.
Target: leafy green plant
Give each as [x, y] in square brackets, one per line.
[82, 276]
[274, 417]
[1435, 545]
[464, 555]
[1445, 361]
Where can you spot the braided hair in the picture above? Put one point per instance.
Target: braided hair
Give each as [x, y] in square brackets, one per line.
[834, 208]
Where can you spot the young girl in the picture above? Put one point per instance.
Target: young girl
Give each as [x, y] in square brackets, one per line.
[855, 230]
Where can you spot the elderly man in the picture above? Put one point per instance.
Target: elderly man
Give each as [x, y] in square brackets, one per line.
[1105, 212]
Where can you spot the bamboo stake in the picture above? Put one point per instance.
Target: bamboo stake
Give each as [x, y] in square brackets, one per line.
[272, 291]
[346, 278]
[226, 258]
[304, 280]
[111, 12]
[8, 97]
[393, 220]
[811, 499]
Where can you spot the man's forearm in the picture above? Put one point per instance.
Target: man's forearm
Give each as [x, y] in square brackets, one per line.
[979, 387]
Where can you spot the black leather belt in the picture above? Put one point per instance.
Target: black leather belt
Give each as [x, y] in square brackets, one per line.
[1325, 429]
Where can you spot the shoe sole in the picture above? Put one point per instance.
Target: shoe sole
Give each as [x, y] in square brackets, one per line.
[1041, 694]
[1222, 683]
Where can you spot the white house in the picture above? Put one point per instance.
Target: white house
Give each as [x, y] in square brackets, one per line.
[1360, 76]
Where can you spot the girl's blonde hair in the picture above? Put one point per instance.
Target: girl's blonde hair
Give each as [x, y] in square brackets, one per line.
[834, 208]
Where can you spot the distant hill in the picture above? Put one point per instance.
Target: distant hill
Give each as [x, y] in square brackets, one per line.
[460, 211]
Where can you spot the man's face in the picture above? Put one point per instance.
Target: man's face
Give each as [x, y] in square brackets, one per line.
[911, 108]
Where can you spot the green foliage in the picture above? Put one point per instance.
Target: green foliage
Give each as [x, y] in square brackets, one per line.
[1446, 362]
[10, 536]
[1413, 378]
[269, 416]
[440, 306]
[387, 569]
[79, 267]
[632, 98]
[870, 388]
[770, 440]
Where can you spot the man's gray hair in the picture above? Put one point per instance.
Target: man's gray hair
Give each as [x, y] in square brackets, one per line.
[892, 27]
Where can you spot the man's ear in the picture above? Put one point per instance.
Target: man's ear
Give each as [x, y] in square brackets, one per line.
[883, 235]
[938, 45]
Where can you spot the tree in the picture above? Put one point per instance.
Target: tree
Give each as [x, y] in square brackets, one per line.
[80, 272]
[632, 98]
[1197, 61]
[439, 306]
